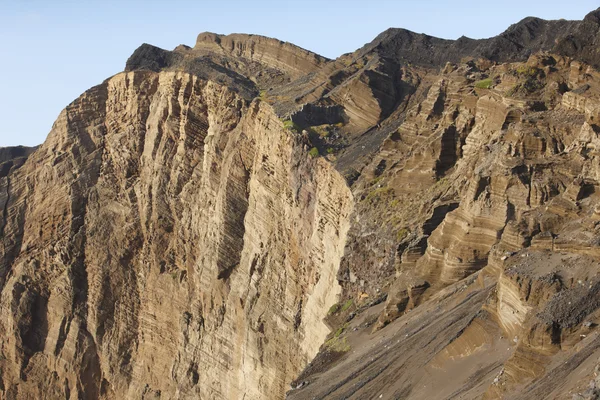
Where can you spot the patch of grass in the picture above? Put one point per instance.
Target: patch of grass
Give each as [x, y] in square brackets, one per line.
[262, 95]
[484, 84]
[314, 152]
[337, 342]
[290, 125]
[321, 130]
[333, 309]
[339, 345]
[528, 71]
[347, 305]
[441, 185]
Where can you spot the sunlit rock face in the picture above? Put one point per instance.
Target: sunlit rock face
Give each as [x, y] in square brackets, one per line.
[244, 219]
[168, 238]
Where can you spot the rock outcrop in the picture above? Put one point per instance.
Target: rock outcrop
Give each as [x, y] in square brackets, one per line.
[179, 232]
[418, 219]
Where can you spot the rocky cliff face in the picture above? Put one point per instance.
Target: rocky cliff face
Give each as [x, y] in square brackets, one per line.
[223, 221]
[181, 243]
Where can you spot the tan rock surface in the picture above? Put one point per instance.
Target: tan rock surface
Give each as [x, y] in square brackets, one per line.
[168, 238]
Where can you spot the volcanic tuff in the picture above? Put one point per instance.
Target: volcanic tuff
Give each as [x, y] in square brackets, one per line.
[244, 219]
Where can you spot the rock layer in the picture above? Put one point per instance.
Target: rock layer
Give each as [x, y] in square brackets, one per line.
[180, 232]
[223, 221]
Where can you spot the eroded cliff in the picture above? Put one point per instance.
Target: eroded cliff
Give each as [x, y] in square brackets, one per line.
[180, 244]
[222, 221]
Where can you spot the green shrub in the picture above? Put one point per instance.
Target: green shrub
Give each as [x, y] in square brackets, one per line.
[321, 130]
[525, 70]
[484, 84]
[330, 151]
[347, 305]
[376, 180]
[339, 345]
[333, 309]
[314, 152]
[290, 125]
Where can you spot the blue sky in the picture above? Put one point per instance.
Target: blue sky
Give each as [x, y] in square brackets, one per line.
[54, 50]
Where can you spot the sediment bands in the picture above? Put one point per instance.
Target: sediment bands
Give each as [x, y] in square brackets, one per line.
[244, 219]
[167, 239]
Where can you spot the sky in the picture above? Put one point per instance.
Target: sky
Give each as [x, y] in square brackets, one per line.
[53, 50]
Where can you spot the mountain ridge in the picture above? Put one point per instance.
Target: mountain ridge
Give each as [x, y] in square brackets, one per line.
[244, 219]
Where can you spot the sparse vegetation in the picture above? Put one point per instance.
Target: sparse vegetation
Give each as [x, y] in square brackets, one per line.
[347, 305]
[339, 307]
[291, 125]
[402, 234]
[529, 81]
[314, 152]
[330, 150]
[484, 84]
[512, 91]
[321, 130]
[333, 309]
[529, 86]
[378, 194]
[528, 71]
[337, 342]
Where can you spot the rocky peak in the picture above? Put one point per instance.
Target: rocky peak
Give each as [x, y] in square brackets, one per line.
[593, 17]
[11, 153]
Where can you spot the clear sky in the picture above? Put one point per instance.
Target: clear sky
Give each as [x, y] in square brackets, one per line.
[53, 50]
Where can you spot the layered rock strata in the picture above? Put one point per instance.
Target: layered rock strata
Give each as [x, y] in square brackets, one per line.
[224, 220]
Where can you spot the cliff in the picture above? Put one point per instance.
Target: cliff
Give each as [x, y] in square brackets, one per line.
[244, 219]
[178, 231]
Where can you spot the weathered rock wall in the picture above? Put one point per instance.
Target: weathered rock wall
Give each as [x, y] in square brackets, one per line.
[168, 240]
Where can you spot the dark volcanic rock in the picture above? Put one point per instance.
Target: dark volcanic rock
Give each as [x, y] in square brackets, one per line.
[151, 58]
[582, 42]
[517, 43]
[10, 153]
[148, 57]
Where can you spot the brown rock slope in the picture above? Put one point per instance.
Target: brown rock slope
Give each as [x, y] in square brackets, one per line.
[478, 220]
[418, 219]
